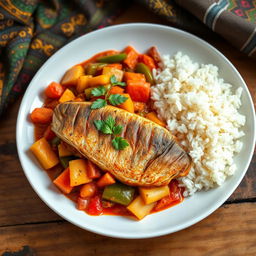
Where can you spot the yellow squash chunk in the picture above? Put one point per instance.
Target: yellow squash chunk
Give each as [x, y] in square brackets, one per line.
[78, 172]
[68, 95]
[98, 80]
[71, 76]
[44, 153]
[128, 104]
[153, 117]
[150, 195]
[139, 208]
[63, 151]
[113, 71]
[82, 83]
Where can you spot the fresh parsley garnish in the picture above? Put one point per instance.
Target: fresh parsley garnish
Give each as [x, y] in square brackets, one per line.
[99, 91]
[119, 143]
[109, 126]
[114, 81]
[99, 103]
[117, 99]
[113, 99]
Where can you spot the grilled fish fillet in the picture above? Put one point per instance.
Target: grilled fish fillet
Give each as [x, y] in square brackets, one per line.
[152, 159]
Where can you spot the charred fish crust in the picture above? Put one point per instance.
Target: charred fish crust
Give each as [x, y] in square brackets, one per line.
[152, 159]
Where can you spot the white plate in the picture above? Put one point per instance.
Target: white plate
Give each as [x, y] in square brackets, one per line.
[141, 36]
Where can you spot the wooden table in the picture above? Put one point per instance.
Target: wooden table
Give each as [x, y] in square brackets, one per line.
[29, 227]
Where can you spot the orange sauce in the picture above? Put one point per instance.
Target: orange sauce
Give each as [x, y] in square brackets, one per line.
[116, 209]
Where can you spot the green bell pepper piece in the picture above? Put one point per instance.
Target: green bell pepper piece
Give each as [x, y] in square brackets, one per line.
[119, 193]
[55, 141]
[65, 160]
[144, 69]
[113, 58]
[92, 68]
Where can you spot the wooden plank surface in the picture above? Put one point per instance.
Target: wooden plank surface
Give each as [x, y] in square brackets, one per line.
[217, 235]
[26, 220]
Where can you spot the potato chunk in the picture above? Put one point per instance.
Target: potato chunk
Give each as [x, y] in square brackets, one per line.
[71, 76]
[150, 195]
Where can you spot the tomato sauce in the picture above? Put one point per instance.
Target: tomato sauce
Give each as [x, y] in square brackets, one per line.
[100, 206]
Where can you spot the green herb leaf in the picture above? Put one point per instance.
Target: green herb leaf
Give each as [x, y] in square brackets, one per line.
[119, 143]
[114, 81]
[99, 91]
[106, 129]
[117, 129]
[116, 99]
[99, 103]
[98, 124]
[110, 122]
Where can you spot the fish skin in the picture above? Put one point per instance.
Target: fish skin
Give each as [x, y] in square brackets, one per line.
[153, 157]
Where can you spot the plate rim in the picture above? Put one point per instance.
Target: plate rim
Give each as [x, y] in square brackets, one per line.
[117, 234]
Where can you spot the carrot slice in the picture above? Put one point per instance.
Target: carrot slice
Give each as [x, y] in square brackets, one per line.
[41, 115]
[88, 190]
[153, 117]
[132, 57]
[54, 90]
[134, 76]
[63, 181]
[138, 90]
[116, 90]
[105, 180]
[147, 60]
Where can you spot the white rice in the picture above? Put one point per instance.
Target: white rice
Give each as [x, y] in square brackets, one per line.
[202, 111]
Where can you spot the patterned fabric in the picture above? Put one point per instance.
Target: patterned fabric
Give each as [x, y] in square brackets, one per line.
[235, 20]
[32, 30]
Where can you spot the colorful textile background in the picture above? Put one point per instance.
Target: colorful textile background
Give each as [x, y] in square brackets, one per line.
[32, 30]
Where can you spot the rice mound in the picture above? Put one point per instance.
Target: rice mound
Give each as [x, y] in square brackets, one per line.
[202, 112]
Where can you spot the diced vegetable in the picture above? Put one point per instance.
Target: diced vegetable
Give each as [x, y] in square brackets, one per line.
[150, 195]
[48, 133]
[78, 172]
[112, 58]
[98, 80]
[95, 206]
[132, 57]
[82, 83]
[175, 195]
[82, 203]
[128, 104]
[138, 90]
[55, 141]
[116, 90]
[143, 69]
[43, 152]
[139, 106]
[115, 65]
[66, 159]
[153, 52]
[93, 68]
[68, 95]
[134, 76]
[105, 180]
[139, 208]
[63, 151]
[71, 76]
[93, 171]
[119, 193]
[63, 181]
[88, 190]
[153, 117]
[54, 90]
[41, 115]
[110, 71]
[148, 61]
